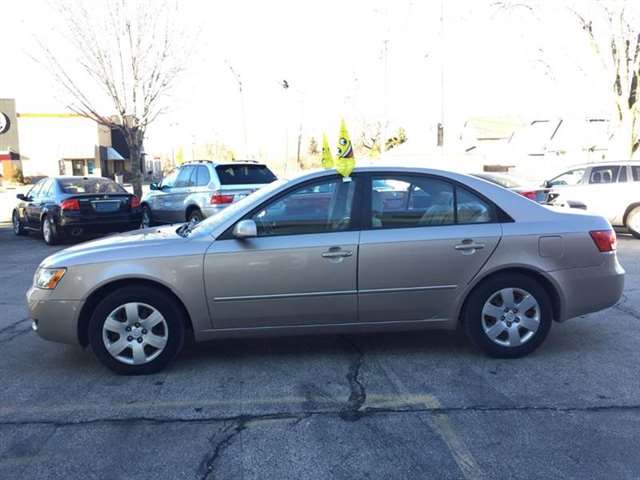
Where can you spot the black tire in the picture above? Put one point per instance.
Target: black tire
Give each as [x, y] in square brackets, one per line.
[147, 217]
[633, 222]
[163, 303]
[18, 228]
[473, 318]
[195, 216]
[50, 232]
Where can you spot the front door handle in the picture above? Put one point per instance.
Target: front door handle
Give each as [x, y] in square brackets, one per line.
[337, 253]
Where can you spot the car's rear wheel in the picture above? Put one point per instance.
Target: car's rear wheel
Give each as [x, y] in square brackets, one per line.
[195, 216]
[633, 222]
[508, 316]
[147, 217]
[137, 330]
[18, 228]
[50, 232]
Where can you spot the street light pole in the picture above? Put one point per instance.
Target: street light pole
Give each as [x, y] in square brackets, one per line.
[236, 75]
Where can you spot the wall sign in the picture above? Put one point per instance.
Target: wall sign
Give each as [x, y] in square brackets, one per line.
[5, 123]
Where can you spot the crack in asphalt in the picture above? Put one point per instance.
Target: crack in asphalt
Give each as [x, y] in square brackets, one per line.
[358, 395]
[300, 415]
[228, 434]
[624, 309]
[12, 331]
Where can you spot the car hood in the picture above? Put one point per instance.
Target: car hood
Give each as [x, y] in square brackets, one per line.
[149, 242]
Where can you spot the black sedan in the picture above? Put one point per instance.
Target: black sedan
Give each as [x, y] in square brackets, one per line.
[71, 206]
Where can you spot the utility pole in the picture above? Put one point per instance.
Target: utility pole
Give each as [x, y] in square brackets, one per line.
[442, 77]
[236, 75]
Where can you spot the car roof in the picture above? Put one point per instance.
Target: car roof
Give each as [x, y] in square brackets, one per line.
[604, 164]
[216, 164]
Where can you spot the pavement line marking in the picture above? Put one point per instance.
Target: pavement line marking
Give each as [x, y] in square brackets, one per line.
[441, 424]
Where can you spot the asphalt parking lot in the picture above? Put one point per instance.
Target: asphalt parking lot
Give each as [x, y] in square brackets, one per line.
[373, 406]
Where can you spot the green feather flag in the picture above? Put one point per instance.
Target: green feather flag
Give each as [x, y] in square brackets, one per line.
[327, 158]
[345, 162]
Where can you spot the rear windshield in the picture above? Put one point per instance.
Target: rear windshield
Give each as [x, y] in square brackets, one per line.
[89, 185]
[244, 174]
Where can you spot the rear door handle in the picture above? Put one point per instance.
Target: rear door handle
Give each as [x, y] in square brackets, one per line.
[337, 253]
[468, 244]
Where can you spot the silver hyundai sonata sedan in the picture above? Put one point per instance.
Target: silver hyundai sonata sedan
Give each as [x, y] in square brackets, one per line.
[387, 249]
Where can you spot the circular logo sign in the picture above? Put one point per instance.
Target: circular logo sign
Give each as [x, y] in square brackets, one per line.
[4, 123]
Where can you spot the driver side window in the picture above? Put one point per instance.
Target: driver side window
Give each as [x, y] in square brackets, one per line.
[325, 206]
[570, 178]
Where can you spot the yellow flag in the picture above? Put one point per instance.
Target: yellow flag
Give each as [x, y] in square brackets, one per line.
[344, 161]
[327, 158]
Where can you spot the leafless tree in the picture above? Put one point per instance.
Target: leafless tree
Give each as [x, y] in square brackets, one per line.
[613, 30]
[124, 57]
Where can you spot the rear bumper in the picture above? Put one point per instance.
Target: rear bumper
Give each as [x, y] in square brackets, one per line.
[93, 223]
[588, 290]
[57, 320]
[210, 210]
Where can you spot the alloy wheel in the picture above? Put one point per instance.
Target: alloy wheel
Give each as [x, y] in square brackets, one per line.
[146, 221]
[511, 317]
[135, 333]
[16, 223]
[46, 230]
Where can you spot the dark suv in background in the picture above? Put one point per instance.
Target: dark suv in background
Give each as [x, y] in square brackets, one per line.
[199, 189]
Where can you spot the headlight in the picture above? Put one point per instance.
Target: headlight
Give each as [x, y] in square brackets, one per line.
[48, 278]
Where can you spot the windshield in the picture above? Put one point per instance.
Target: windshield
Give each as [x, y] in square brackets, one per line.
[89, 185]
[254, 198]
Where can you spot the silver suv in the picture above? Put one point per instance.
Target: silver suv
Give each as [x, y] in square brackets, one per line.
[196, 190]
[610, 189]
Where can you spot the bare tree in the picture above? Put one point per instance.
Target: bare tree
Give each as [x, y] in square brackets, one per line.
[613, 29]
[124, 58]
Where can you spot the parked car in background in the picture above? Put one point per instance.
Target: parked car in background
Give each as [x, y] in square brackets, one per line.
[197, 190]
[526, 189]
[610, 189]
[71, 206]
[392, 249]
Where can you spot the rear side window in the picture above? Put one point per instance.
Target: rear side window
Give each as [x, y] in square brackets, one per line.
[202, 176]
[89, 185]
[406, 201]
[606, 174]
[244, 174]
[635, 173]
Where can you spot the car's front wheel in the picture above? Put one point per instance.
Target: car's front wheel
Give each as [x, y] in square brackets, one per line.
[137, 330]
[508, 315]
[18, 228]
[633, 222]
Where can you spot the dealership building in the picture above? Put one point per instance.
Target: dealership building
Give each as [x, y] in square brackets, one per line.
[38, 144]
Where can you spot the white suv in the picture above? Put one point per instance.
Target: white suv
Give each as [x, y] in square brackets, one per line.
[199, 189]
[611, 189]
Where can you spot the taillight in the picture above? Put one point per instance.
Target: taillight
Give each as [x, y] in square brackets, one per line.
[529, 195]
[134, 202]
[605, 240]
[70, 204]
[219, 199]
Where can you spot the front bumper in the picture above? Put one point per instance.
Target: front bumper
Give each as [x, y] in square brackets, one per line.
[57, 320]
[590, 289]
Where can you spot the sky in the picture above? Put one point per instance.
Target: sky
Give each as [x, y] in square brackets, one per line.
[478, 60]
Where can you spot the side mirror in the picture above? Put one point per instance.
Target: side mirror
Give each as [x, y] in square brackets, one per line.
[21, 196]
[153, 186]
[547, 184]
[245, 229]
